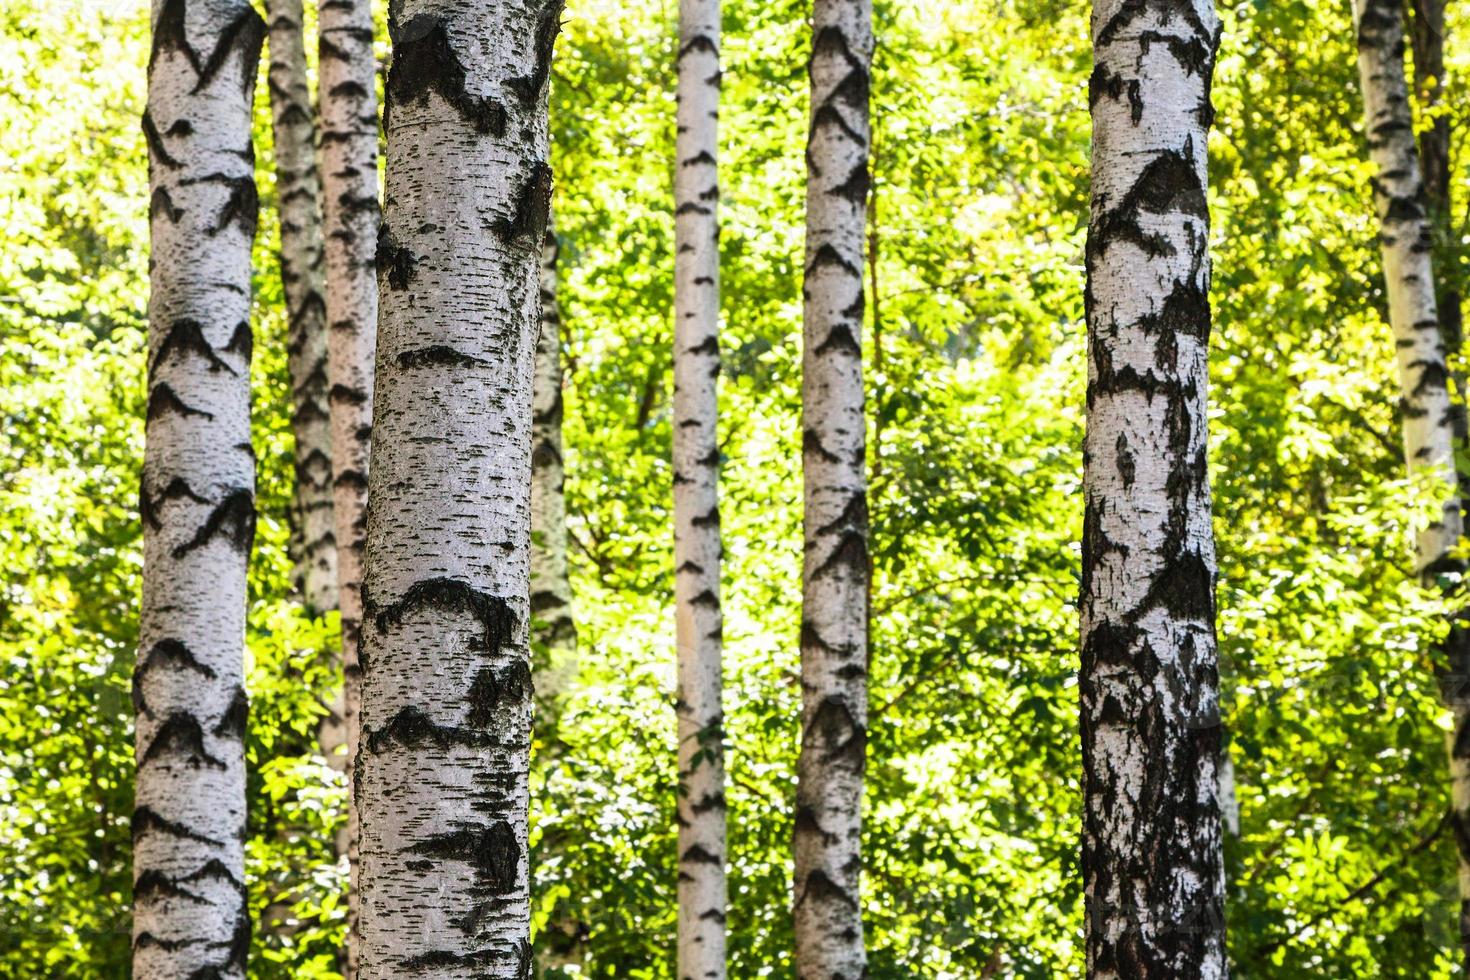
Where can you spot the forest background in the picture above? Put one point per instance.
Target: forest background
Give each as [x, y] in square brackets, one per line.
[1342, 865]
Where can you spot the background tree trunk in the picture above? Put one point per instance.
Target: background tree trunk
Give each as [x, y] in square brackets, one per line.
[349, 107]
[551, 586]
[1151, 850]
[1406, 243]
[197, 500]
[298, 190]
[696, 456]
[835, 570]
[443, 761]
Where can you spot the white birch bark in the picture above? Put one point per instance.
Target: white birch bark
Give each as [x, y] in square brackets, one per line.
[197, 498]
[551, 586]
[696, 458]
[835, 570]
[349, 109]
[442, 766]
[298, 190]
[1429, 418]
[1151, 854]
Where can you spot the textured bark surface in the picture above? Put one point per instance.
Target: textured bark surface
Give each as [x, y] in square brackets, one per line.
[699, 622]
[1151, 850]
[349, 111]
[551, 586]
[197, 499]
[298, 189]
[1429, 417]
[441, 770]
[835, 568]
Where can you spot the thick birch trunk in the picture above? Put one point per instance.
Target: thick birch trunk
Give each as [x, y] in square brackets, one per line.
[350, 181]
[835, 569]
[551, 586]
[696, 457]
[442, 766]
[1151, 851]
[313, 542]
[1429, 418]
[198, 497]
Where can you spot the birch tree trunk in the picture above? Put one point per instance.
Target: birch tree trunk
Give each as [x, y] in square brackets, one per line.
[551, 586]
[1152, 869]
[349, 109]
[699, 622]
[835, 569]
[299, 190]
[197, 499]
[1429, 418]
[443, 761]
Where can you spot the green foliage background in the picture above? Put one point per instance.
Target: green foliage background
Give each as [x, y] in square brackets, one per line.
[975, 390]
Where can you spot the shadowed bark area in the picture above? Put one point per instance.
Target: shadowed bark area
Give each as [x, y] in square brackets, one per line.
[349, 112]
[551, 586]
[1421, 337]
[441, 769]
[298, 190]
[197, 504]
[699, 622]
[835, 568]
[1151, 847]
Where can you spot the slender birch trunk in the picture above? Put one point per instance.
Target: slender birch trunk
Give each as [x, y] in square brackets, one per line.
[443, 761]
[1152, 869]
[197, 500]
[835, 569]
[696, 456]
[349, 109]
[298, 188]
[551, 586]
[1429, 416]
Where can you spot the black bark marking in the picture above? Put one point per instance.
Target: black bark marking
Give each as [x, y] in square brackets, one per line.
[394, 261]
[153, 885]
[493, 852]
[346, 395]
[437, 355]
[178, 489]
[1169, 184]
[232, 724]
[411, 728]
[165, 654]
[850, 555]
[450, 596]
[156, 144]
[854, 189]
[232, 519]
[181, 736]
[827, 255]
[840, 338]
[494, 690]
[146, 820]
[162, 203]
[187, 337]
[1166, 10]
[835, 731]
[424, 61]
[820, 888]
[526, 225]
[162, 401]
[1184, 588]
[811, 444]
[548, 22]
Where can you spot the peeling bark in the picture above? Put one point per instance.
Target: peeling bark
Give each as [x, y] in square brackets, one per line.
[699, 622]
[298, 189]
[551, 586]
[1151, 851]
[836, 569]
[1430, 418]
[441, 769]
[349, 110]
[190, 916]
